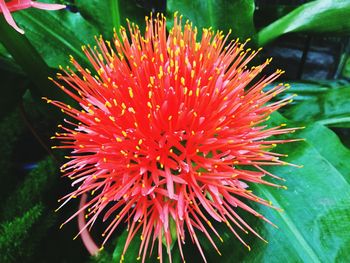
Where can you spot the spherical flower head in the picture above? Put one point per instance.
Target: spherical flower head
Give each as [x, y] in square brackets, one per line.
[6, 7]
[167, 133]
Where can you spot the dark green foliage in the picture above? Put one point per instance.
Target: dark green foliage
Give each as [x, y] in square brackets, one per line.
[24, 215]
[15, 235]
[13, 87]
[31, 190]
[25, 218]
[10, 128]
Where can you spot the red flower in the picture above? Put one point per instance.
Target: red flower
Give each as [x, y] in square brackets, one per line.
[6, 7]
[167, 127]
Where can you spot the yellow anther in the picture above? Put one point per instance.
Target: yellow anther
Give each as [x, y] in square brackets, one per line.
[131, 94]
[185, 90]
[183, 81]
[197, 92]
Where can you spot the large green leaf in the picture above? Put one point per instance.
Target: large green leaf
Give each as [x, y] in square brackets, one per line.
[321, 16]
[50, 37]
[56, 34]
[313, 226]
[332, 108]
[220, 15]
[112, 13]
[103, 14]
[25, 54]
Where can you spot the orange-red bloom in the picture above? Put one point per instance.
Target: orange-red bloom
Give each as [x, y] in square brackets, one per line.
[166, 129]
[6, 7]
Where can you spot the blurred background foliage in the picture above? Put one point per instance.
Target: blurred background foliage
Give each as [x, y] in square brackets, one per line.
[310, 40]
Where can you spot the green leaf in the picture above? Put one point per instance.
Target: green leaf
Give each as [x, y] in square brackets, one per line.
[24, 54]
[131, 253]
[130, 9]
[7, 62]
[56, 34]
[103, 14]
[321, 16]
[318, 196]
[220, 15]
[102, 257]
[331, 108]
[327, 143]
